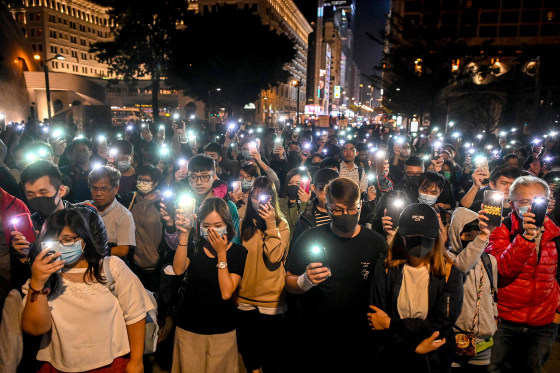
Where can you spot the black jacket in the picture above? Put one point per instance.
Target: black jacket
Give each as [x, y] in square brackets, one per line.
[305, 221]
[403, 336]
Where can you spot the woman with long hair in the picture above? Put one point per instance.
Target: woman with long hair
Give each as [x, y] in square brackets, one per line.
[205, 337]
[295, 198]
[240, 194]
[83, 324]
[416, 296]
[262, 296]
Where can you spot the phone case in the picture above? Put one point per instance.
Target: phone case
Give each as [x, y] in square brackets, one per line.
[305, 185]
[22, 223]
[169, 203]
[394, 212]
[539, 209]
[493, 204]
[318, 254]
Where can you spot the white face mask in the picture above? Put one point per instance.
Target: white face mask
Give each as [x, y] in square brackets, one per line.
[428, 199]
[145, 187]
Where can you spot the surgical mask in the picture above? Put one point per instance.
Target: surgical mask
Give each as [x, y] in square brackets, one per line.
[246, 185]
[405, 152]
[145, 187]
[413, 246]
[447, 174]
[246, 154]
[70, 254]
[221, 231]
[522, 210]
[292, 191]
[45, 206]
[123, 165]
[345, 223]
[428, 199]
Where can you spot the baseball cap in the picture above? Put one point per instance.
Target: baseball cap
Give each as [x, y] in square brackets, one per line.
[420, 219]
[324, 176]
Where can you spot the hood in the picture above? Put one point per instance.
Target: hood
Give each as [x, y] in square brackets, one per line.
[461, 217]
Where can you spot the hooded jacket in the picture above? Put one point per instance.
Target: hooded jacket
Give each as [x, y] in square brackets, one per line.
[528, 286]
[469, 262]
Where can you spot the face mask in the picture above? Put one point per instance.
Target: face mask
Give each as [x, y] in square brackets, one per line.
[428, 199]
[522, 210]
[405, 152]
[292, 191]
[70, 254]
[246, 154]
[246, 185]
[412, 181]
[345, 223]
[447, 174]
[465, 243]
[316, 165]
[293, 155]
[123, 165]
[414, 247]
[45, 206]
[144, 187]
[221, 231]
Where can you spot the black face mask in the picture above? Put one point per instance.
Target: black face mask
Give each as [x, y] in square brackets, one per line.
[412, 181]
[292, 191]
[45, 206]
[465, 243]
[414, 247]
[345, 223]
[293, 155]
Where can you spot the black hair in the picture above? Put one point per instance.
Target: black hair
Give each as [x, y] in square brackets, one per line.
[201, 163]
[213, 147]
[82, 141]
[361, 147]
[221, 207]
[292, 143]
[251, 169]
[74, 220]
[431, 178]
[123, 147]
[330, 162]
[351, 142]
[344, 190]
[450, 146]
[248, 226]
[333, 150]
[507, 171]
[37, 170]
[414, 161]
[293, 172]
[510, 156]
[152, 171]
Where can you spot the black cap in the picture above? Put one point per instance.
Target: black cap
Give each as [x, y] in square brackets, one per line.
[419, 219]
[324, 176]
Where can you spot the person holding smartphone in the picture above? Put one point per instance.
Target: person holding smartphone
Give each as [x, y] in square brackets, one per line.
[528, 292]
[295, 197]
[262, 299]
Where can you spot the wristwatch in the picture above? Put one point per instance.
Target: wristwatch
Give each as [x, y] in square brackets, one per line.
[221, 265]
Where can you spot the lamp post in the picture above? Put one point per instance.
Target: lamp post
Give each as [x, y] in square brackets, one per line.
[47, 87]
[210, 101]
[297, 84]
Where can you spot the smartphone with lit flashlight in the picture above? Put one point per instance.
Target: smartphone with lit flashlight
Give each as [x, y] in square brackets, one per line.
[493, 204]
[394, 209]
[23, 224]
[305, 183]
[264, 199]
[318, 254]
[51, 246]
[380, 162]
[539, 207]
[232, 131]
[168, 201]
[277, 145]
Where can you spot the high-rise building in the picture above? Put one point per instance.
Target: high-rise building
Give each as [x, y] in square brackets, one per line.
[280, 102]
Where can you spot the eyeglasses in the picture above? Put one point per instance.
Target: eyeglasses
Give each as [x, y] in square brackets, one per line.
[339, 212]
[412, 174]
[349, 150]
[69, 241]
[102, 190]
[246, 178]
[523, 202]
[203, 178]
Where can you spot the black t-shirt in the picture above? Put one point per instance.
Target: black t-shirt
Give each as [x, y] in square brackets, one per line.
[339, 304]
[203, 310]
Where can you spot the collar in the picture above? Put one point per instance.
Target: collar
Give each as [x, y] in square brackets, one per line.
[108, 209]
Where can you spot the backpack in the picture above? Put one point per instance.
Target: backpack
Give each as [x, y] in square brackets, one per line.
[487, 263]
[152, 327]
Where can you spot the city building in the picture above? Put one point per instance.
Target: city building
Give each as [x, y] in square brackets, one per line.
[278, 103]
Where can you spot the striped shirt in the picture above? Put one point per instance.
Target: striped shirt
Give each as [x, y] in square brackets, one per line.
[321, 218]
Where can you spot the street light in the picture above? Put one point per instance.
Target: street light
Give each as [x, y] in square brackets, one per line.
[297, 84]
[47, 87]
[210, 101]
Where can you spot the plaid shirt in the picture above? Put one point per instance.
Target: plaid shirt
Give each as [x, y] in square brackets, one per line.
[354, 174]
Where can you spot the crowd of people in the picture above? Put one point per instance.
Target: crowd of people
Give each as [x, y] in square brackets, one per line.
[292, 248]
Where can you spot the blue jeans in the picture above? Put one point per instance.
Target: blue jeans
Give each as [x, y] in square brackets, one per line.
[521, 348]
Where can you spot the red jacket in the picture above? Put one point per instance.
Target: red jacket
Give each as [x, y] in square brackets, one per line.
[9, 207]
[528, 290]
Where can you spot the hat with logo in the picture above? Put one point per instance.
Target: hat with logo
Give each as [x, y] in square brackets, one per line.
[419, 219]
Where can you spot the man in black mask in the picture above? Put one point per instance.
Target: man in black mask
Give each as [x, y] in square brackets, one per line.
[42, 186]
[331, 267]
[413, 168]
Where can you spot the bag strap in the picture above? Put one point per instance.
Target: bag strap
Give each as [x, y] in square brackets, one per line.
[487, 263]
[132, 202]
[109, 276]
[478, 297]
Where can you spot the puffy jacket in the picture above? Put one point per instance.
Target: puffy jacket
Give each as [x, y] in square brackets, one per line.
[528, 291]
[10, 206]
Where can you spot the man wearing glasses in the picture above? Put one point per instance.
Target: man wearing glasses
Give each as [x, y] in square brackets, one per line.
[121, 232]
[349, 169]
[528, 290]
[330, 267]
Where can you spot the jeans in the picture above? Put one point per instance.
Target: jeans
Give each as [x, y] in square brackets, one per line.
[521, 348]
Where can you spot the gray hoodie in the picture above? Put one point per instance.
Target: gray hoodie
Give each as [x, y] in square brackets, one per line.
[468, 261]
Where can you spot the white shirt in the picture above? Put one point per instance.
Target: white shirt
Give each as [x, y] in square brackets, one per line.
[413, 297]
[89, 322]
[119, 224]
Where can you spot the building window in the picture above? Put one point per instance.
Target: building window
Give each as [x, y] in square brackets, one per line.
[530, 16]
[508, 31]
[487, 31]
[40, 47]
[550, 16]
[31, 16]
[20, 17]
[38, 16]
[39, 32]
[550, 30]
[529, 30]
[509, 17]
[489, 17]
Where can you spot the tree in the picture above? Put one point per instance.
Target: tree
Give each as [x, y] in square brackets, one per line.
[230, 49]
[142, 31]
